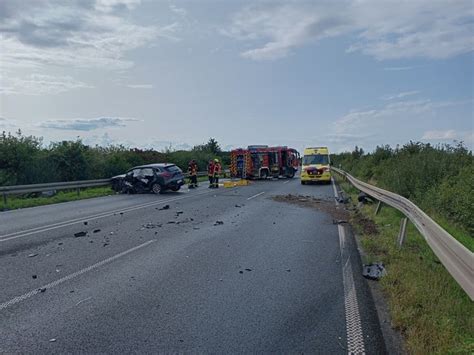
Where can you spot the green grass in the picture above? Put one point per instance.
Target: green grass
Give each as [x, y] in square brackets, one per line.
[426, 304]
[15, 202]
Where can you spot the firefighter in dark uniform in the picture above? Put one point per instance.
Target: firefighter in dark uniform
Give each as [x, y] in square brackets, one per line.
[192, 170]
[210, 173]
[216, 172]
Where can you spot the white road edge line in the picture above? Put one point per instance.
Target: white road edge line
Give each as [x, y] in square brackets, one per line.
[6, 237]
[70, 276]
[355, 337]
[252, 197]
[286, 182]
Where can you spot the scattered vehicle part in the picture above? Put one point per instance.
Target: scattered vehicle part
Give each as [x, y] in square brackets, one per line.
[32, 255]
[42, 289]
[374, 271]
[364, 198]
[80, 234]
[165, 207]
[86, 223]
[218, 223]
[34, 276]
[96, 231]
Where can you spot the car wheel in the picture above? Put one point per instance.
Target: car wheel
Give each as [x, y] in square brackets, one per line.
[303, 182]
[176, 188]
[157, 188]
[264, 174]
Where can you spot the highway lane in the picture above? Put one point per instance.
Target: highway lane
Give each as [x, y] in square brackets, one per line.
[268, 279]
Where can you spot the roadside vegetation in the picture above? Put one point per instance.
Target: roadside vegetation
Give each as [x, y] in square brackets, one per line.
[426, 304]
[33, 200]
[26, 160]
[439, 179]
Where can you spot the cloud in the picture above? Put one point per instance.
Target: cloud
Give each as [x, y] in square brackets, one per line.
[81, 34]
[40, 84]
[384, 30]
[400, 95]
[6, 124]
[398, 68]
[440, 135]
[140, 86]
[178, 10]
[86, 124]
[391, 113]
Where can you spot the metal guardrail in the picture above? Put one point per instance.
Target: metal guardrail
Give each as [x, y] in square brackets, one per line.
[70, 185]
[456, 258]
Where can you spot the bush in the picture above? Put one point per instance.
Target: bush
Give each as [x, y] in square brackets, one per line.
[440, 179]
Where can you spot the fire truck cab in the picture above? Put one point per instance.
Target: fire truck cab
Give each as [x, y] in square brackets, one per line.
[261, 162]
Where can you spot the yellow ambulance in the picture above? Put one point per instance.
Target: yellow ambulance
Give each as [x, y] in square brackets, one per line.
[315, 165]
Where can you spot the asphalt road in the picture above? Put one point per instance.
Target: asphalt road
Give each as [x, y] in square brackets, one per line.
[267, 277]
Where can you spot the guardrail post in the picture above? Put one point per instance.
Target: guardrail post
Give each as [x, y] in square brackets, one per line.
[4, 201]
[78, 191]
[402, 233]
[378, 208]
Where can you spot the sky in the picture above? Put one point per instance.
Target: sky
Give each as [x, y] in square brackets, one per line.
[157, 74]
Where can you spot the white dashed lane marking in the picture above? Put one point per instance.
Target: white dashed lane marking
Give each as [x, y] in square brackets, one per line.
[70, 277]
[252, 197]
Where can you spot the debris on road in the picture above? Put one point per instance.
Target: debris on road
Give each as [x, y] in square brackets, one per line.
[34, 276]
[150, 226]
[323, 205]
[96, 231]
[53, 340]
[105, 244]
[86, 223]
[241, 272]
[80, 234]
[374, 271]
[32, 255]
[342, 199]
[248, 269]
[238, 206]
[42, 289]
[165, 207]
[171, 222]
[179, 212]
[219, 223]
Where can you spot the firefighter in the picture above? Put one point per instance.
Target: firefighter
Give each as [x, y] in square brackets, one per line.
[210, 173]
[216, 172]
[192, 170]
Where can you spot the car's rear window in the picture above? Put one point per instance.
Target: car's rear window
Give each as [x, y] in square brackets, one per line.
[172, 169]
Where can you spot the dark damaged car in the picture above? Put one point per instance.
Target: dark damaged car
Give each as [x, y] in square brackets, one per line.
[155, 178]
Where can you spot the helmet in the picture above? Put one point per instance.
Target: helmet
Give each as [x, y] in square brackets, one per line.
[216, 160]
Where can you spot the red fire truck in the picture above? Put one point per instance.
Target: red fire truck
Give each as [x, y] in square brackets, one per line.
[261, 162]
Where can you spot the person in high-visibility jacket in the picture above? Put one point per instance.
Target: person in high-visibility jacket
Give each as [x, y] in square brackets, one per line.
[192, 170]
[210, 173]
[216, 172]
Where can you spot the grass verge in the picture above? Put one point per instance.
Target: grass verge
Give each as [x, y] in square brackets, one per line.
[15, 202]
[426, 304]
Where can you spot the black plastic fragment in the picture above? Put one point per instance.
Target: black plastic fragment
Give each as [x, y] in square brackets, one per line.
[374, 271]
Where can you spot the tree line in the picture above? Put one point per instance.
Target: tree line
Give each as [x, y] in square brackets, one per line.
[26, 160]
[437, 178]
